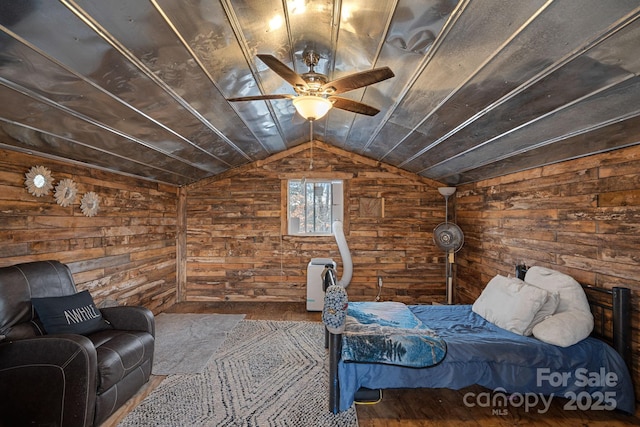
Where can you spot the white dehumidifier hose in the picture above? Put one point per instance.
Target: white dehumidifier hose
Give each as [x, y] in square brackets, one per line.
[347, 264]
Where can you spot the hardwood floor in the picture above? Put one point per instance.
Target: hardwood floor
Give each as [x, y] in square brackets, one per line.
[406, 407]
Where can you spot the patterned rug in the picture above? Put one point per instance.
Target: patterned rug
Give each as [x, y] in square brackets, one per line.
[266, 373]
[186, 342]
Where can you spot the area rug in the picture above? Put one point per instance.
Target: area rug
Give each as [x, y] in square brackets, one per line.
[186, 342]
[266, 373]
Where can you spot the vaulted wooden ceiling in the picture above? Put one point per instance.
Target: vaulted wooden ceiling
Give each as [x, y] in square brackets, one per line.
[481, 88]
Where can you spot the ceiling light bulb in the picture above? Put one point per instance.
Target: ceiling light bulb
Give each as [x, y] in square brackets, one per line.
[275, 23]
[297, 7]
[312, 107]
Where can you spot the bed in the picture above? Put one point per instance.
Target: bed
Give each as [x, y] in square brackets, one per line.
[590, 374]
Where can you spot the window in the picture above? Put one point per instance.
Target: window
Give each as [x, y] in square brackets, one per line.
[313, 205]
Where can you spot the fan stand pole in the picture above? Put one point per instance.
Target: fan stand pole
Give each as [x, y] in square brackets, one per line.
[449, 257]
[447, 263]
[446, 209]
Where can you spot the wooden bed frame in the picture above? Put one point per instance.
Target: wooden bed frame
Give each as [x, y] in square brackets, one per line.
[611, 309]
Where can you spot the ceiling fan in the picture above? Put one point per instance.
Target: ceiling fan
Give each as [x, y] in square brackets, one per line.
[316, 95]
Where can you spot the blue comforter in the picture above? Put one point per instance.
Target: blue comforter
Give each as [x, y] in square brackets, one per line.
[478, 352]
[389, 332]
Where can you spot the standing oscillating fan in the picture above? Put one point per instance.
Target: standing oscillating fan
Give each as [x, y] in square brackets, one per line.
[448, 237]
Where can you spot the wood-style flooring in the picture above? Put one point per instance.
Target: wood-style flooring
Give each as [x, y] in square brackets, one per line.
[406, 407]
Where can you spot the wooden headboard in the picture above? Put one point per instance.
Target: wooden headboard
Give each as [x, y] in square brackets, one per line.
[611, 309]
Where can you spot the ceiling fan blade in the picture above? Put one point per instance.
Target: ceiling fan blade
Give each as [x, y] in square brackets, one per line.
[358, 80]
[261, 97]
[283, 71]
[353, 106]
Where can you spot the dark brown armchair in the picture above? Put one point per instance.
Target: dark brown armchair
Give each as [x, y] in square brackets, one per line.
[66, 379]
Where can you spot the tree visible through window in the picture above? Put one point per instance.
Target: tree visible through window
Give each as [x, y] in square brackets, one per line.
[313, 206]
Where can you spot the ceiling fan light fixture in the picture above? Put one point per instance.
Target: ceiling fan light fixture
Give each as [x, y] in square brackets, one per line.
[447, 191]
[312, 107]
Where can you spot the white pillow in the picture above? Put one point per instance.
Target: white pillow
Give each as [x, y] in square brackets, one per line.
[510, 303]
[572, 321]
[548, 308]
[564, 329]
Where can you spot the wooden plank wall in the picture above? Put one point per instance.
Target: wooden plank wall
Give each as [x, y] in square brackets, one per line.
[236, 251]
[125, 254]
[580, 217]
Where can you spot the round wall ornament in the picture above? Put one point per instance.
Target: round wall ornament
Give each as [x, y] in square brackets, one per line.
[90, 204]
[66, 192]
[38, 181]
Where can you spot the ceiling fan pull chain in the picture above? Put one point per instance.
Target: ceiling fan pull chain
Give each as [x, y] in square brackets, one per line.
[311, 142]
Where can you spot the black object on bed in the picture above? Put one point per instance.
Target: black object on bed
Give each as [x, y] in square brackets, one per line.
[590, 373]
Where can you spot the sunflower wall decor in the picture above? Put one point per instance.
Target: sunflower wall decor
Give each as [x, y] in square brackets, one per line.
[66, 192]
[38, 181]
[90, 204]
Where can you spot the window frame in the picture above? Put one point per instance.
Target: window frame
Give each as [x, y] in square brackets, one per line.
[284, 190]
[337, 209]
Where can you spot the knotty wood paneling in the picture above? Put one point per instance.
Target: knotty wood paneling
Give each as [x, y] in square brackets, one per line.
[236, 250]
[125, 254]
[580, 217]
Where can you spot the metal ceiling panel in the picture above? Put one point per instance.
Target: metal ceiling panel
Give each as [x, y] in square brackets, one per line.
[361, 32]
[565, 92]
[26, 139]
[29, 111]
[400, 34]
[472, 38]
[138, 32]
[524, 59]
[263, 27]
[414, 30]
[611, 137]
[609, 106]
[34, 72]
[481, 88]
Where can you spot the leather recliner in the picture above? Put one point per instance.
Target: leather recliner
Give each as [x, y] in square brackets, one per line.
[66, 379]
